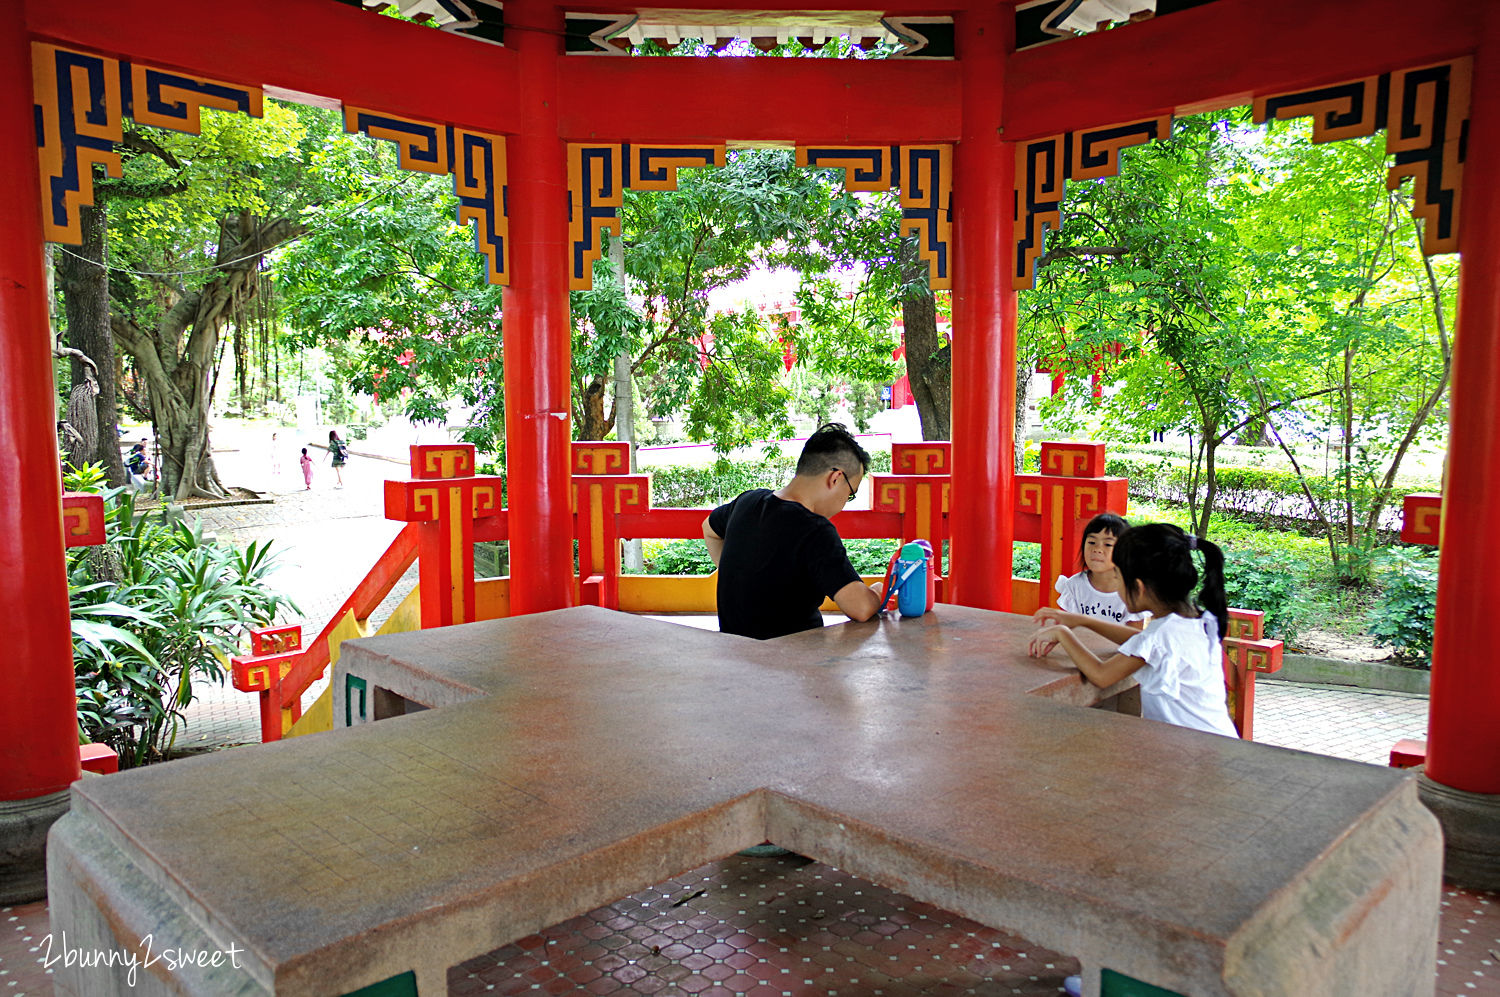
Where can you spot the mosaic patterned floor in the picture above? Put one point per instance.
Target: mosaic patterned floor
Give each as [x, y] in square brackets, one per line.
[784, 928]
[767, 927]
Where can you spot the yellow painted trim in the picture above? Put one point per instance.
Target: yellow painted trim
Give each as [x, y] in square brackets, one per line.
[455, 553]
[1025, 596]
[319, 717]
[408, 615]
[491, 598]
[669, 593]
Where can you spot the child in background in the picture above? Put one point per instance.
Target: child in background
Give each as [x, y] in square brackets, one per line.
[1177, 658]
[338, 452]
[1093, 597]
[306, 469]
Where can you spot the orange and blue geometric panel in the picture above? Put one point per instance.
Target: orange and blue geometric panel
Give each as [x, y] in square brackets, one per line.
[82, 100]
[1425, 114]
[599, 175]
[475, 159]
[924, 176]
[1043, 167]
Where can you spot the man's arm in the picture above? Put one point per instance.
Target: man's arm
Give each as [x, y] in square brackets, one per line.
[858, 601]
[713, 542]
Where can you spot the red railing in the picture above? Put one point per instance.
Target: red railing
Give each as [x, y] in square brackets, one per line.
[447, 508]
[283, 671]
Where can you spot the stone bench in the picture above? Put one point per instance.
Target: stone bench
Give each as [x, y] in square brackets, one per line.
[572, 758]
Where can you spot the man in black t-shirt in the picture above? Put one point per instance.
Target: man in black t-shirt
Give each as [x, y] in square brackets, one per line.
[777, 552]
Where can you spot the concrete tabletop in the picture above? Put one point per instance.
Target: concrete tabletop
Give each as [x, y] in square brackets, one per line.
[580, 755]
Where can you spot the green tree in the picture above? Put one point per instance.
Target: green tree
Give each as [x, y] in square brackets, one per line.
[189, 228]
[391, 286]
[725, 370]
[1246, 276]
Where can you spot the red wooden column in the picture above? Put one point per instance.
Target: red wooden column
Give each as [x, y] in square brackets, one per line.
[984, 319]
[38, 725]
[1462, 781]
[537, 343]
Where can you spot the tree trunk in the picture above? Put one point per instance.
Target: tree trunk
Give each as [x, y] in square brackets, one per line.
[592, 424]
[929, 360]
[1023, 400]
[177, 357]
[85, 284]
[242, 366]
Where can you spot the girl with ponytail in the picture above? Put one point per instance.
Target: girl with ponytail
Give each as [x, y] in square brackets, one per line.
[1177, 659]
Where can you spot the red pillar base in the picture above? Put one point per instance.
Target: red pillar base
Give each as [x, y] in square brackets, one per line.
[1471, 833]
[23, 845]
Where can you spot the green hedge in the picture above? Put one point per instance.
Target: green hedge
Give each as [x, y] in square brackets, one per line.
[705, 487]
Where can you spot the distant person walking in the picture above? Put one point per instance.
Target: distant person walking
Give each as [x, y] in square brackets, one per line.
[275, 457]
[306, 469]
[338, 452]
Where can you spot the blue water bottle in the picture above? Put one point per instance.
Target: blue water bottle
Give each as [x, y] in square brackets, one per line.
[911, 580]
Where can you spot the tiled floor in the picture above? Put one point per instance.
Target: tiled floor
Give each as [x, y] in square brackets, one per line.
[783, 926]
[767, 927]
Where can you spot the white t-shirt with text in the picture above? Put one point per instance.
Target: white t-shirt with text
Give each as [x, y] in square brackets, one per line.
[1075, 594]
[1182, 682]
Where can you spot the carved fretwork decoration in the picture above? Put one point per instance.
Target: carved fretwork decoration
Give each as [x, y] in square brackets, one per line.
[924, 176]
[477, 162]
[1044, 165]
[480, 19]
[599, 175]
[915, 37]
[1425, 113]
[82, 101]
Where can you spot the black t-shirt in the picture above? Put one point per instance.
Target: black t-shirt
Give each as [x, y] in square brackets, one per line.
[780, 559]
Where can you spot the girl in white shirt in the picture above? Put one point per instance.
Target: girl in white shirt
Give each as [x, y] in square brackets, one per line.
[1093, 597]
[1177, 659]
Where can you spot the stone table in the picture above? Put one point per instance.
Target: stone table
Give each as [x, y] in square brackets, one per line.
[577, 756]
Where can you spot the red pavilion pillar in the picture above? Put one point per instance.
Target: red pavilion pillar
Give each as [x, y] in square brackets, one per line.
[1462, 780]
[536, 329]
[38, 725]
[984, 319]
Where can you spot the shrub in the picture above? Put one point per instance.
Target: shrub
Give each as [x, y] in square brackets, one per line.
[1026, 560]
[1268, 582]
[676, 557]
[706, 487]
[155, 607]
[1403, 616]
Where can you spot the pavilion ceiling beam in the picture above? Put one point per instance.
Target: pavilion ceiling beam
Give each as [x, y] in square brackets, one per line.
[311, 46]
[1222, 54]
[758, 100]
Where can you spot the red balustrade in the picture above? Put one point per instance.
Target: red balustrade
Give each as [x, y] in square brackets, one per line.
[448, 508]
[281, 695]
[83, 526]
[1052, 508]
[1422, 518]
[1246, 654]
[446, 503]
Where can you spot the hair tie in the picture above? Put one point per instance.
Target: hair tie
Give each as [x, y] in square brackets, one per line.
[1192, 542]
